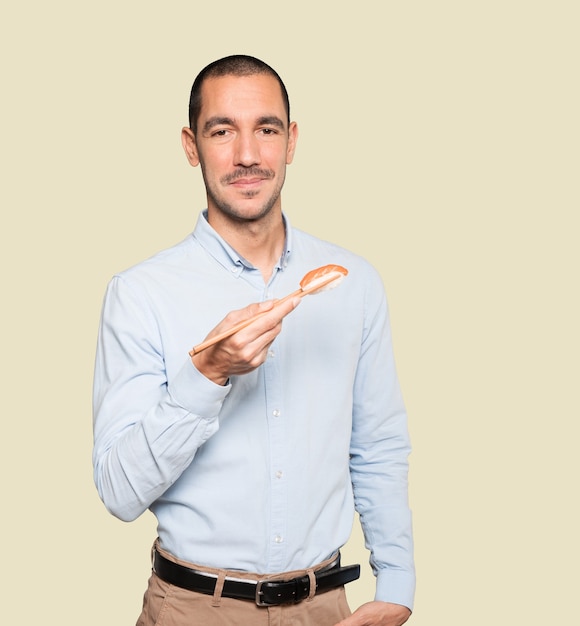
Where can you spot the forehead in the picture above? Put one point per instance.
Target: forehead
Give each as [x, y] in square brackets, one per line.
[240, 96]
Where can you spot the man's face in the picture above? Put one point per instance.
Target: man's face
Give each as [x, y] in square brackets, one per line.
[243, 144]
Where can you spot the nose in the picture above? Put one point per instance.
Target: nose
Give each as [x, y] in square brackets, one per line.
[247, 151]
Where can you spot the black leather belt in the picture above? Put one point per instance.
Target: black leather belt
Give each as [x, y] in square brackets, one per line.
[267, 592]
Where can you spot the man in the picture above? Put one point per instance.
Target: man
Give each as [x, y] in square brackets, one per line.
[254, 452]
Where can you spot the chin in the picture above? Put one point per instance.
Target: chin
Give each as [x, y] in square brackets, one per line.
[241, 213]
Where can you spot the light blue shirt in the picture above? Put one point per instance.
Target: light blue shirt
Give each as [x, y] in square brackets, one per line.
[262, 474]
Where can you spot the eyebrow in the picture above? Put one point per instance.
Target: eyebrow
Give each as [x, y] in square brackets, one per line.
[271, 120]
[217, 120]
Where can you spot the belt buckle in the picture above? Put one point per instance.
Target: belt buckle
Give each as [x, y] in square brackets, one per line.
[259, 592]
[298, 593]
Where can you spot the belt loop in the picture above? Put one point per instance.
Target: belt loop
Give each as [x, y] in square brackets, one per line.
[312, 578]
[219, 585]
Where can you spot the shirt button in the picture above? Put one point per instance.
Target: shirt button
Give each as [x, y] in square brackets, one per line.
[278, 539]
[271, 354]
[276, 413]
[279, 474]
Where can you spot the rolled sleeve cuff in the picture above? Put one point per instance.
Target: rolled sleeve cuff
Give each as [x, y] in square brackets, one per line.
[397, 587]
[196, 393]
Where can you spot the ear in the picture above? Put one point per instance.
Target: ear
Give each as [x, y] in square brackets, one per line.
[189, 146]
[292, 139]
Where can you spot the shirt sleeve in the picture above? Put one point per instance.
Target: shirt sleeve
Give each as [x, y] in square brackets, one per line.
[147, 429]
[380, 447]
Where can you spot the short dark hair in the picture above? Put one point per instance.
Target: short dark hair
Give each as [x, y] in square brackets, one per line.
[234, 65]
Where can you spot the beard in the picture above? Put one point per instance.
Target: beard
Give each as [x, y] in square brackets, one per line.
[237, 211]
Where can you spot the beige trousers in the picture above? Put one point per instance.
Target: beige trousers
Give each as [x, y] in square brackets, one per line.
[168, 605]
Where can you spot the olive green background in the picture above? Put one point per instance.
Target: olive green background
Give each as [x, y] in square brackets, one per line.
[439, 139]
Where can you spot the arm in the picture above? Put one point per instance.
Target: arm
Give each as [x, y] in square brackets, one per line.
[379, 451]
[146, 430]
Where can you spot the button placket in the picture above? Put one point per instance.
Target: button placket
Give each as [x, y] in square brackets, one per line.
[277, 442]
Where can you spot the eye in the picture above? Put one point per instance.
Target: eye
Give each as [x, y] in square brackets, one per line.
[269, 131]
[222, 132]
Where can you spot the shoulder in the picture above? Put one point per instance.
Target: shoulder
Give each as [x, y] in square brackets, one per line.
[160, 264]
[152, 277]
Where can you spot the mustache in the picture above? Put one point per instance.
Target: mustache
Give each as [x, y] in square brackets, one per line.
[245, 172]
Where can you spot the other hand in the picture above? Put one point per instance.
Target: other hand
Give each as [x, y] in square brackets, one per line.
[378, 614]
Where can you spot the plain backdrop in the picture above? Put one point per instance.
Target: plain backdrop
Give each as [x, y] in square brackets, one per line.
[439, 139]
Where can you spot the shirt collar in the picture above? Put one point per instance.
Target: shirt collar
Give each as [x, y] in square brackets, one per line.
[224, 254]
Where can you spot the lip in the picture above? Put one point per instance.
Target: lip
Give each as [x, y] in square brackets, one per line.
[247, 182]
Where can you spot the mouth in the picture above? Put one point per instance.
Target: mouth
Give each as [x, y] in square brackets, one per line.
[247, 183]
[247, 178]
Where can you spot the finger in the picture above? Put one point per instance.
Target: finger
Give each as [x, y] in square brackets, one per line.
[254, 310]
[286, 306]
[268, 319]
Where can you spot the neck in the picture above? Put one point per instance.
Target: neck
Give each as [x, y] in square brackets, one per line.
[260, 242]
